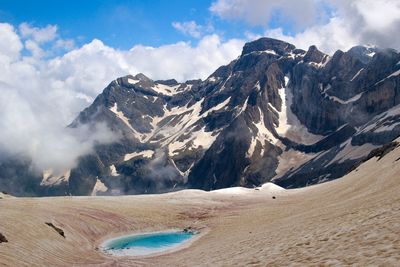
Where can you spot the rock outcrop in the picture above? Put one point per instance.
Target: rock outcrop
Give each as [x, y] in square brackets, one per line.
[3, 239]
[57, 229]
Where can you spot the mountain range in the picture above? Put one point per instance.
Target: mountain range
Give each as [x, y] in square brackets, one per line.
[275, 114]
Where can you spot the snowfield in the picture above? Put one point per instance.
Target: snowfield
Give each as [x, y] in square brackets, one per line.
[348, 221]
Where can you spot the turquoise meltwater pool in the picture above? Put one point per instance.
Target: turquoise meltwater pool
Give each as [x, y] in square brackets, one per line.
[146, 244]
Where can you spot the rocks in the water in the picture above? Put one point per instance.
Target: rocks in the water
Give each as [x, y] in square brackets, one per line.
[188, 229]
[273, 197]
[58, 230]
[3, 239]
[191, 230]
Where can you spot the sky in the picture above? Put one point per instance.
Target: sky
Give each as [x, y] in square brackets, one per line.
[122, 24]
[57, 56]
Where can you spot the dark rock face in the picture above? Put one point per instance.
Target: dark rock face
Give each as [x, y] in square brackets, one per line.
[3, 239]
[264, 44]
[277, 113]
[382, 151]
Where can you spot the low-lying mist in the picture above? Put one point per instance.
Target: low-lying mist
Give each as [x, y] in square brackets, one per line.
[34, 125]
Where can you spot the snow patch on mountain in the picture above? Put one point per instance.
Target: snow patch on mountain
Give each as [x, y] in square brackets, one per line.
[283, 119]
[222, 88]
[396, 73]
[113, 171]
[269, 188]
[383, 122]
[290, 159]
[217, 107]
[263, 134]
[99, 187]
[345, 102]
[125, 120]
[144, 153]
[252, 147]
[49, 178]
[269, 51]
[350, 152]
[197, 139]
[203, 139]
[133, 81]
[166, 89]
[356, 75]
[289, 125]
[212, 79]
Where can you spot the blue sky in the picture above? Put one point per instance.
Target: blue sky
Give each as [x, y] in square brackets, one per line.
[120, 24]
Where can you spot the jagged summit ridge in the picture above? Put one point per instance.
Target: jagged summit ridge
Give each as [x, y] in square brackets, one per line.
[268, 44]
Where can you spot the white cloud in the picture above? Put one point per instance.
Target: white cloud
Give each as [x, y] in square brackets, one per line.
[39, 96]
[334, 24]
[370, 21]
[90, 68]
[39, 35]
[34, 49]
[377, 15]
[64, 44]
[10, 44]
[260, 12]
[183, 61]
[35, 37]
[189, 28]
[328, 37]
[35, 109]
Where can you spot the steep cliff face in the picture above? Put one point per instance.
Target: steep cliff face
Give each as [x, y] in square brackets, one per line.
[275, 113]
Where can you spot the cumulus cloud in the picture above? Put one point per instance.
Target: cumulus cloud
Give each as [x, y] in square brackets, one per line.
[188, 27]
[372, 22]
[333, 24]
[183, 61]
[10, 44]
[328, 37]
[34, 37]
[260, 12]
[34, 113]
[90, 68]
[39, 35]
[192, 29]
[40, 96]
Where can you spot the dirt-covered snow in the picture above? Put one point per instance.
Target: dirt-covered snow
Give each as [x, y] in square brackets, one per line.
[353, 221]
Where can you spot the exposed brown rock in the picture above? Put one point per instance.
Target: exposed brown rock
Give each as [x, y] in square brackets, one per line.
[59, 230]
[3, 239]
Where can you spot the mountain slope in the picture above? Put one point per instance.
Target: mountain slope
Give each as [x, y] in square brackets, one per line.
[275, 113]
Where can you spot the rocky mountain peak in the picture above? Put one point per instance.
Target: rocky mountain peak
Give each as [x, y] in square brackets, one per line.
[142, 77]
[363, 53]
[268, 44]
[170, 82]
[314, 55]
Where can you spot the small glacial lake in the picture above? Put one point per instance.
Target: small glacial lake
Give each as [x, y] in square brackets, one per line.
[146, 244]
